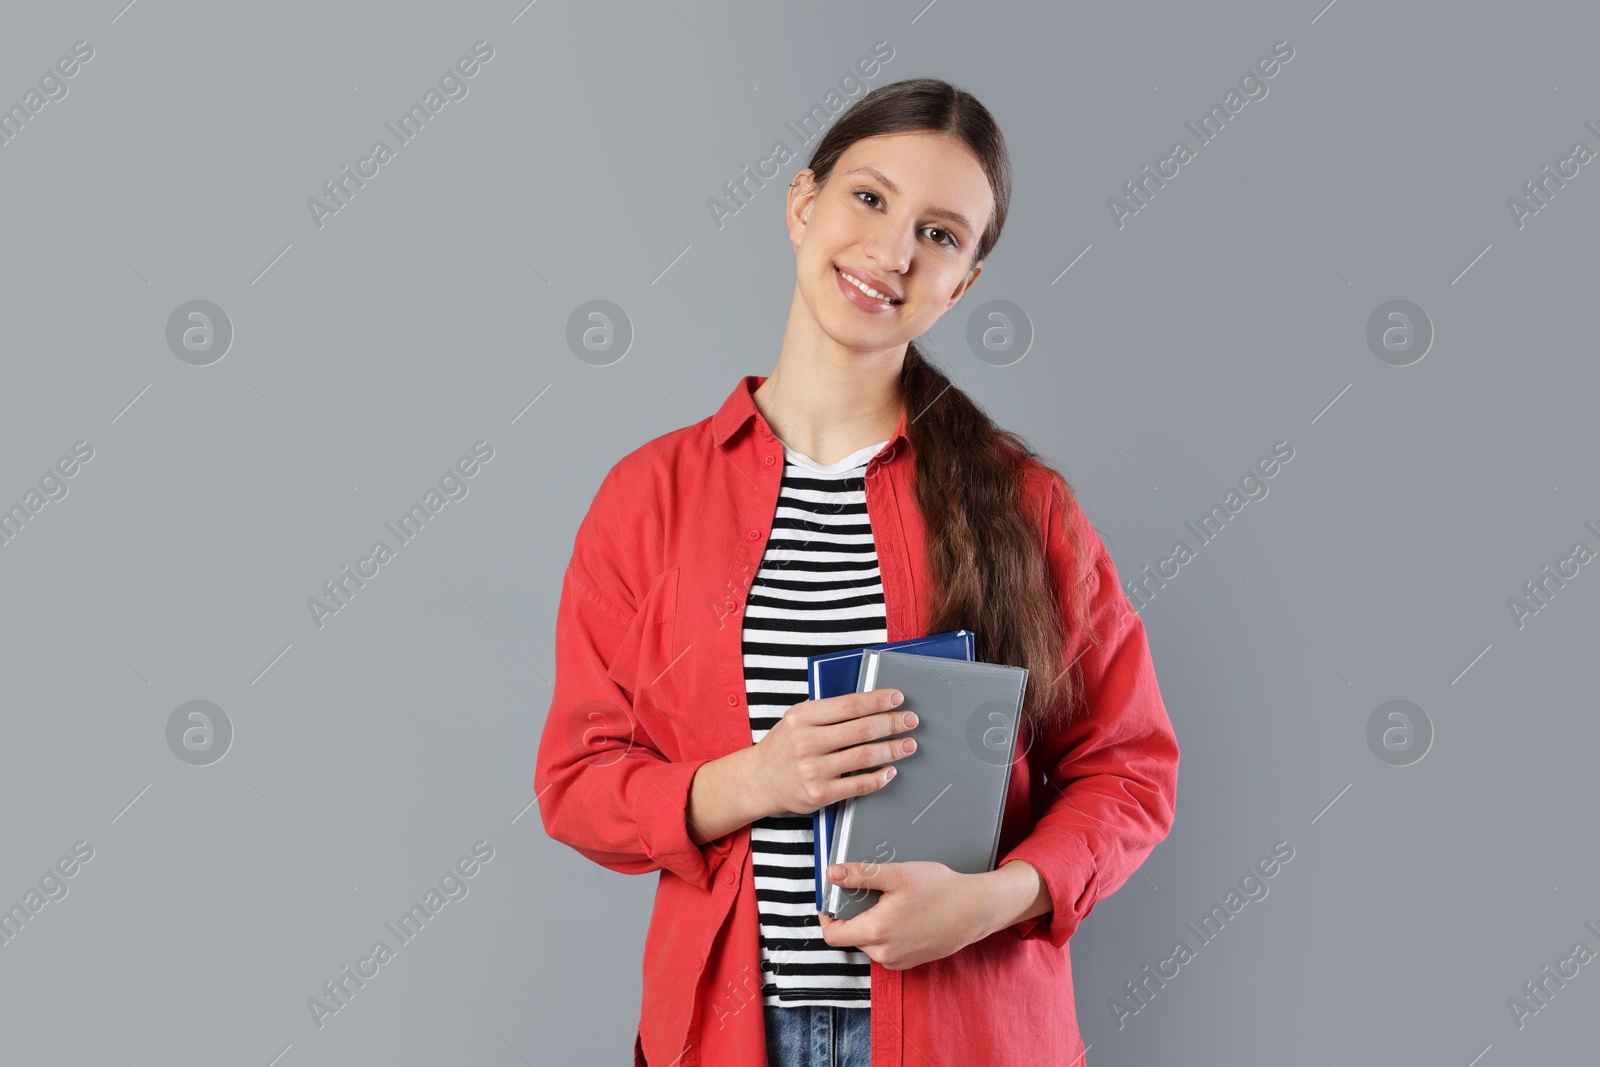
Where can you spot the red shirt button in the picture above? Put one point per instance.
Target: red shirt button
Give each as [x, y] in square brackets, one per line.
[728, 606]
[770, 461]
[729, 878]
[755, 534]
[733, 701]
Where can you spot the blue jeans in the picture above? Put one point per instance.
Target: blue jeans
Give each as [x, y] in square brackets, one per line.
[818, 1035]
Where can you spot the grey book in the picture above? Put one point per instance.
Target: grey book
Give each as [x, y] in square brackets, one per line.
[945, 801]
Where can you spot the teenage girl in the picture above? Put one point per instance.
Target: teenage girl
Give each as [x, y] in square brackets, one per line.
[852, 497]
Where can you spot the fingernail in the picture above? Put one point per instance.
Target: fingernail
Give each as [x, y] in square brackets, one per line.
[911, 718]
[836, 871]
[895, 698]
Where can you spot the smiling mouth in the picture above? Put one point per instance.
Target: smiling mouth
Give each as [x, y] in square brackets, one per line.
[865, 286]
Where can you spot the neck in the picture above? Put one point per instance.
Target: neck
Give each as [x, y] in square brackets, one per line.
[827, 401]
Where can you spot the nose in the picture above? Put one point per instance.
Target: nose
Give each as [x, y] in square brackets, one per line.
[890, 250]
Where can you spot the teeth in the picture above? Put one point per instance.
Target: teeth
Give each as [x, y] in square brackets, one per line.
[866, 288]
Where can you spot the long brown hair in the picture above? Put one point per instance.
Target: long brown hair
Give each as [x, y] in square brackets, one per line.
[984, 553]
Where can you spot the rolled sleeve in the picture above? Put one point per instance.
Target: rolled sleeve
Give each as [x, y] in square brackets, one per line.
[1112, 771]
[603, 785]
[1067, 867]
[660, 814]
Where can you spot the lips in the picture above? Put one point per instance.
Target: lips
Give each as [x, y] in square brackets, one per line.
[895, 299]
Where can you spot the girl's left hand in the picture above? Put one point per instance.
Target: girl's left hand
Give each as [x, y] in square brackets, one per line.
[926, 912]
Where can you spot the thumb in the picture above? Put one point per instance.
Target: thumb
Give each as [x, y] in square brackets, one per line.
[861, 875]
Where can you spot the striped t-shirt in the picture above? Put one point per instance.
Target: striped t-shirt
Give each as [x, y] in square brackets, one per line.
[818, 590]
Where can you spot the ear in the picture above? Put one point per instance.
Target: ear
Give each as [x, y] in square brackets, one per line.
[803, 191]
[966, 283]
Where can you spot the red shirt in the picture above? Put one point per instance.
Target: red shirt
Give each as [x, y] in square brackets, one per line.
[650, 685]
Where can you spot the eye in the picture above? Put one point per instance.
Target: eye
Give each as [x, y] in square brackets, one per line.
[948, 240]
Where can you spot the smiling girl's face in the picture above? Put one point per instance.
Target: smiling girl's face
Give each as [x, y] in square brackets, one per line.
[902, 214]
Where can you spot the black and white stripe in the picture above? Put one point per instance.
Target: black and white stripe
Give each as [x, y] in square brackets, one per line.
[818, 590]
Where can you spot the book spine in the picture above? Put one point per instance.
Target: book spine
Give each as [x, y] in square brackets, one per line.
[1005, 781]
[836, 853]
[839, 843]
[818, 817]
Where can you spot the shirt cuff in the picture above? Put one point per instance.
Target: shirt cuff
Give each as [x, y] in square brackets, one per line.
[662, 810]
[1068, 869]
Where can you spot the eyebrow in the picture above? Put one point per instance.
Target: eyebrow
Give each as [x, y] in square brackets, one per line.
[953, 216]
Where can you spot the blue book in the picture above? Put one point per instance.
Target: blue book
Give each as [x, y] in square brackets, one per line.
[834, 674]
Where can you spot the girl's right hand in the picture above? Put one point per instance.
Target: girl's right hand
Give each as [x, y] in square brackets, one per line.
[798, 764]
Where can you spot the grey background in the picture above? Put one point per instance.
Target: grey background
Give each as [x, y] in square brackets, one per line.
[431, 313]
